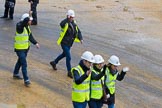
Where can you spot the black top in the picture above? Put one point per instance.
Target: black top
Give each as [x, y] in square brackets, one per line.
[36, 1]
[20, 27]
[95, 76]
[70, 33]
[11, 1]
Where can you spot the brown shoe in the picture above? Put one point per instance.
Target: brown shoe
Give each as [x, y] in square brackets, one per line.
[53, 65]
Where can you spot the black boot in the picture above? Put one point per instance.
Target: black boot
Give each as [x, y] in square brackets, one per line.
[53, 65]
[11, 18]
[18, 77]
[69, 74]
[34, 22]
[3, 17]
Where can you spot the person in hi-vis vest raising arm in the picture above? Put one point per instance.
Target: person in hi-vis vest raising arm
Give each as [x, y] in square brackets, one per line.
[69, 34]
[23, 37]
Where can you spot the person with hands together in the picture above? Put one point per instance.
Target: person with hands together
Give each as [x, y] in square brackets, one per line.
[97, 78]
[23, 37]
[111, 76]
[81, 80]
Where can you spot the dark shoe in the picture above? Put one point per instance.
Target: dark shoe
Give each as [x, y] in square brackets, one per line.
[69, 75]
[17, 77]
[11, 18]
[53, 65]
[34, 23]
[3, 17]
[27, 83]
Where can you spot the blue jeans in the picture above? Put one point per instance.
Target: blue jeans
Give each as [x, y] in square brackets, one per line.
[95, 104]
[79, 104]
[21, 62]
[111, 106]
[65, 53]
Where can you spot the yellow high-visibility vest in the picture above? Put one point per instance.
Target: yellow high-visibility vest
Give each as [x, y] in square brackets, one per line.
[22, 40]
[110, 81]
[62, 34]
[81, 92]
[96, 87]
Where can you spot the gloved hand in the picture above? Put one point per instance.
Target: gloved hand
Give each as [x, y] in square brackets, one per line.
[125, 69]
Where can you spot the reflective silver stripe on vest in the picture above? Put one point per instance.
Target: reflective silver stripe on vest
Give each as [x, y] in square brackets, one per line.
[75, 90]
[113, 86]
[111, 81]
[21, 42]
[86, 82]
[96, 88]
[22, 35]
[96, 82]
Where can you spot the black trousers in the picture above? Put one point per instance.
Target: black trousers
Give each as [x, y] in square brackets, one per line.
[34, 14]
[9, 9]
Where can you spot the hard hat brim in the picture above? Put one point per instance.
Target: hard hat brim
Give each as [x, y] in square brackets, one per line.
[92, 61]
[118, 64]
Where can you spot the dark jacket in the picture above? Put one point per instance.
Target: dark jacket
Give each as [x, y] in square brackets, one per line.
[20, 27]
[14, 1]
[95, 76]
[36, 1]
[71, 33]
[120, 77]
[77, 78]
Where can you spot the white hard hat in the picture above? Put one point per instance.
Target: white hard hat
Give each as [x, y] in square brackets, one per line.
[87, 55]
[25, 16]
[114, 60]
[71, 13]
[98, 59]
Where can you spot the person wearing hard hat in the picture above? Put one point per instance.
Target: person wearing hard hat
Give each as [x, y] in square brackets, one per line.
[33, 8]
[69, 34]
[23, 37]
[81, 80]
[9, 9]
[97, 80]
[112, 75]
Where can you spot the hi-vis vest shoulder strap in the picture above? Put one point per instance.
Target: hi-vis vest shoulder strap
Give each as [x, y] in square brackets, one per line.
[81, 92]
[96, 87]
[63, 32]
[22, 40]
[110, 81]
